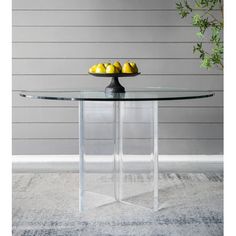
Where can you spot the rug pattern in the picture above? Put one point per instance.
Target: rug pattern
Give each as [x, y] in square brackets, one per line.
[47, 205]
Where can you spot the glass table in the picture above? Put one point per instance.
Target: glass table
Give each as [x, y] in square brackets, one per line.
[123, 185]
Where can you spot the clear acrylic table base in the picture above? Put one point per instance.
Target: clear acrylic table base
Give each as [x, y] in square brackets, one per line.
[134, 186]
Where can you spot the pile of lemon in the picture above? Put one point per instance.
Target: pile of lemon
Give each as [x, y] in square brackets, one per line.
[108, 68]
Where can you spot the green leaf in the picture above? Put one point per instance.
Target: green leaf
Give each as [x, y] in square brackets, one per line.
[206, 63]
[199, 34]
[196, 19]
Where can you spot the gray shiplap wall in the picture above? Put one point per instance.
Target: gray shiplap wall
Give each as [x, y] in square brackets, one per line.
[55, 42]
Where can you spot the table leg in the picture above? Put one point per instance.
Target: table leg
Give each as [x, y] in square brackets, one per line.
[140, 187]
[81, 156]
[118, 149]
[93, 190]
[155, 154]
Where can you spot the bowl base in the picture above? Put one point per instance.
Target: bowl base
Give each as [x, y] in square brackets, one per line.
[114, 86]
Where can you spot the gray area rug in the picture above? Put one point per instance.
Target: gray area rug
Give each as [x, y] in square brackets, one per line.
[47, 205]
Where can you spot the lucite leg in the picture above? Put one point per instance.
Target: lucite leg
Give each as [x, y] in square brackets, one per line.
[155, 154]
[121, 118]
[140, 183]
[118, 149]
[81, 156]
[95, 184]
[116, 154]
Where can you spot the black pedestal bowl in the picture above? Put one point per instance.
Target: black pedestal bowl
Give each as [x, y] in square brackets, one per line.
[114, 86]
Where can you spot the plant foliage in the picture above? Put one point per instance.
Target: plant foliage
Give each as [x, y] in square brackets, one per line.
[203, 17]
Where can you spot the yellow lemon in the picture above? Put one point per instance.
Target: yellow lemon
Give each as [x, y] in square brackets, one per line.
[118, 66]
[134, 66]
[107, 64]
[127, 68]
[111, 69]
[92, 69]
[100, 69]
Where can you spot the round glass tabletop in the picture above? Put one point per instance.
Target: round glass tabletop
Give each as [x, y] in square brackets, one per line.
[148, 94]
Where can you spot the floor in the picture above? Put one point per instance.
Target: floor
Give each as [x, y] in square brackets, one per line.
[47, 205]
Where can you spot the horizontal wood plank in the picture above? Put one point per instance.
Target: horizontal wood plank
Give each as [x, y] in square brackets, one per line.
[106, 34]
[131, 130]
[81, 66]
[100, 18]
[70, 114]
[105, 50]
[94, 4]
[137, 147]
[47, 82]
